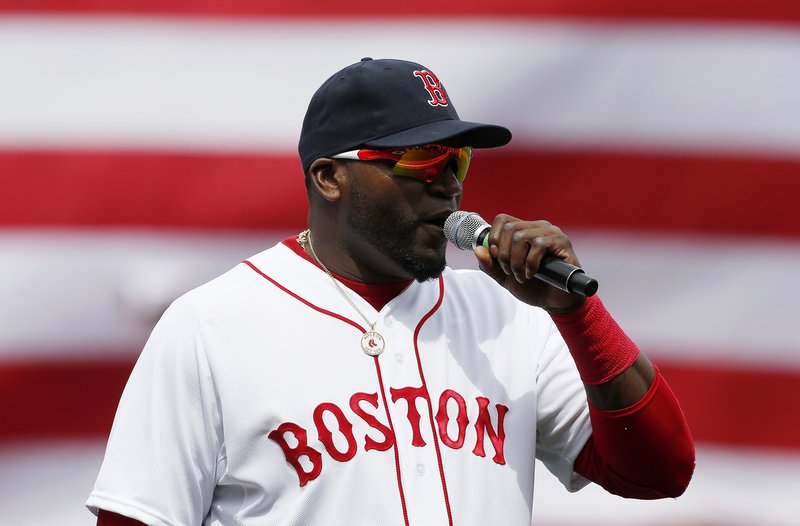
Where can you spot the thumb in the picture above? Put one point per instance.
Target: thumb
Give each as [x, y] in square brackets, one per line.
[487, 264]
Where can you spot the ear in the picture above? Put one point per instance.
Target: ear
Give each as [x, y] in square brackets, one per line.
[327, 177]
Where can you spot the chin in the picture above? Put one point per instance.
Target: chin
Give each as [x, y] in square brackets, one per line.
[428, 266]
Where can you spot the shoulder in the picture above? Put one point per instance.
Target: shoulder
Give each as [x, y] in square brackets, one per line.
[233, 292]
[480, 293]
[470, 278]
[237, 283]
[468, 283]
[220, 306]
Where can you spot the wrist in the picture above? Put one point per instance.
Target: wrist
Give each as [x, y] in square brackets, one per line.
[600, 348]
[581, 300]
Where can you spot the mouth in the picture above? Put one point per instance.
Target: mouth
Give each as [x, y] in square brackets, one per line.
[437, 220]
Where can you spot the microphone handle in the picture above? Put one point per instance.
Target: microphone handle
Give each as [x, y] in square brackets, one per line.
[553, 271]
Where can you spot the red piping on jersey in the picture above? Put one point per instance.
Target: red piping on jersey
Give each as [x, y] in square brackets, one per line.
[428, 399]
[396, 451]
[305, 301]
[377, 370]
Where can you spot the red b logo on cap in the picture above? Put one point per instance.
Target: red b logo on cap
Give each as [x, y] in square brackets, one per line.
[433, 86]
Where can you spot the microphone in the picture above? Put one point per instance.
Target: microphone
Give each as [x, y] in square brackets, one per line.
[468, 230]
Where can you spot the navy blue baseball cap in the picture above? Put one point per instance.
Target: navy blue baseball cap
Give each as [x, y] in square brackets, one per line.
[386, 103]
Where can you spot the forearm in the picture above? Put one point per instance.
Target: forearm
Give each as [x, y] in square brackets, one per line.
[641, 446]
[625, 389]
[615, 374]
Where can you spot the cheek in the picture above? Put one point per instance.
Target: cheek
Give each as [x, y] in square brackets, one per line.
[410, 193]
[377, 190]
[401, 199]
[377, 206]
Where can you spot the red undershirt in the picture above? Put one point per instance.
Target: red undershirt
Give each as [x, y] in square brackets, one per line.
[616, 456]
[377, 295]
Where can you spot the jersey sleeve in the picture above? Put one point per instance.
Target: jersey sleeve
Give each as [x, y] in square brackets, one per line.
[563, 424]
[161, 461]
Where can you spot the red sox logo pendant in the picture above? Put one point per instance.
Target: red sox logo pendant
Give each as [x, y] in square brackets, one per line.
[372, 343]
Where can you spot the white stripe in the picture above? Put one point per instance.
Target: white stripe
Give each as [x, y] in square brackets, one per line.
[183, 84]
[695, 298]
[701, 298]
[733, 487]
[79, 293]
[691, 298]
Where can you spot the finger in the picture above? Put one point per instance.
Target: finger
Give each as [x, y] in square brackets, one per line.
[496, 229]
[486, 264]
[484, 258]
[500, 240]
[557, 245]
[537, 251]
[515, 240]
[521, 246]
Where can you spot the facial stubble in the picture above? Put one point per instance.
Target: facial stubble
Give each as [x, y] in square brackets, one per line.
[393, 235]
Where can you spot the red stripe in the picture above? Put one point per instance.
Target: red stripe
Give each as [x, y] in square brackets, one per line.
[55, 399]
[377, 368]
[735, 406]
[606, 190]
[149, 189]
[435, 435]
[396, 450]
[724, 405]
[781, 11]
[305, 301]
[640, 191]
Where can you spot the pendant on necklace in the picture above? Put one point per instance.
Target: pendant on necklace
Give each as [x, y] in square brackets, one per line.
[372, 343]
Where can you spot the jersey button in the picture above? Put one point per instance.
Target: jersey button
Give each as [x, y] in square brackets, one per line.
[388, 322]
[399, 358]
[420, 470]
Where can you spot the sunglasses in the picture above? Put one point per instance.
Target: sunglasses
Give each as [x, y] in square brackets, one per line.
[424, 163]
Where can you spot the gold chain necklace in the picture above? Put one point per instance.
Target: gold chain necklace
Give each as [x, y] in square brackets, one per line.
[372, 342]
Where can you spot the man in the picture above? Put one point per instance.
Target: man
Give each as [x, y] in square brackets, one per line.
[347, 376]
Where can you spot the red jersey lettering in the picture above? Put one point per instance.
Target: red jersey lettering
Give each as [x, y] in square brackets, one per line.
[442, 419]
[293, 454]
[326, 436]
[410, 395]
[484, 425]
[372, 422]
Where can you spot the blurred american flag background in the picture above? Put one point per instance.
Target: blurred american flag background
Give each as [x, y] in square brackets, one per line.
[146, 146]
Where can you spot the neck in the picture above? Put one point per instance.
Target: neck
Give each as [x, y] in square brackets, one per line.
[336, 257]
[376, 294]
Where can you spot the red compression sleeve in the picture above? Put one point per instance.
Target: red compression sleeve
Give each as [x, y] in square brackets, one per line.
[108, 518]
[644, 451]
[600, 348]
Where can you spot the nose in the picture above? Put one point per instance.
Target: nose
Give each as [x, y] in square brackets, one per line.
[446, 184]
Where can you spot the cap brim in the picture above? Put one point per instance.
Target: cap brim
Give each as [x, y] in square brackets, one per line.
[463, 133]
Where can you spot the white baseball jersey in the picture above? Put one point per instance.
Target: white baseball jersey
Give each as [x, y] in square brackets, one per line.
[252, 403]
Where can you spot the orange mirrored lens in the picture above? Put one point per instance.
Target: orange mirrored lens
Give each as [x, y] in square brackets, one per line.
[428, 162]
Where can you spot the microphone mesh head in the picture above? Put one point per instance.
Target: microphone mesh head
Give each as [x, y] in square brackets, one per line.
[460, 228]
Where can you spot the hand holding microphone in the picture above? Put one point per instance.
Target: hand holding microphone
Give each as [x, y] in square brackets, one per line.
[468, 230]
